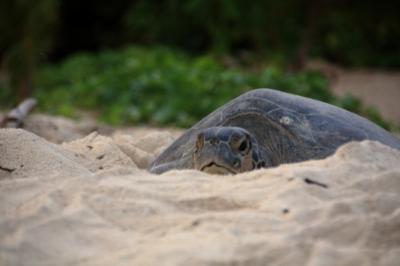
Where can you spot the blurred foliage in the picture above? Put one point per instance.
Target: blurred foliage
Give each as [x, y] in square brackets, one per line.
[360, 33]
[163, 86]
[141, 85]
[351, 32]
[26, 34]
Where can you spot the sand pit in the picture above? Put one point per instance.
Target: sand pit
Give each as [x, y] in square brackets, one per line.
[90, 202]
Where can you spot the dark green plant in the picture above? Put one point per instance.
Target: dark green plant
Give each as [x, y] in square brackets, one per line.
[356, 32]
[26, 35]
[163, 86]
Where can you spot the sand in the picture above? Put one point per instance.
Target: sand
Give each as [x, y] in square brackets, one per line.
[375, 87]
[90, 201]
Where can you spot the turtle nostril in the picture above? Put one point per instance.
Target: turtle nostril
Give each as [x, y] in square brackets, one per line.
[214, 141]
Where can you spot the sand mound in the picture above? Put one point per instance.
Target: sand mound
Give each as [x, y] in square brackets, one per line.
[89, 202]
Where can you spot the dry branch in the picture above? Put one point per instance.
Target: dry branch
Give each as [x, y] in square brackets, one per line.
[15, 118]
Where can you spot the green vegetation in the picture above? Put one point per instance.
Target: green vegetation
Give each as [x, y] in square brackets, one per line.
[355, 33]
[26, 34]
[163, 86]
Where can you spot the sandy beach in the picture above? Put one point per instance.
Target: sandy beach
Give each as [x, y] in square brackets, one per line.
[90, 201]
[376, 88]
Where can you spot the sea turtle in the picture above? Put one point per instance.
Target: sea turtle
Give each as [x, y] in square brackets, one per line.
[265, 128]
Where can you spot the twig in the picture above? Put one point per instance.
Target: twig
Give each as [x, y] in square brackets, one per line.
[15, 118]
[313, 182]
[7, 169]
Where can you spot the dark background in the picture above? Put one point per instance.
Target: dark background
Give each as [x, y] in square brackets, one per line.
[351, 32]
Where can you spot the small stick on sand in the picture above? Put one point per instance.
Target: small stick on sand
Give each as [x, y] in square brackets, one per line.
[15, 118]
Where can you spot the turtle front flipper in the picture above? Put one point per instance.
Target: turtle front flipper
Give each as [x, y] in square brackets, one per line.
[177, 164]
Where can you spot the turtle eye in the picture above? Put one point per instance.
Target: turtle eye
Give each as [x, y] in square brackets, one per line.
[243, 146]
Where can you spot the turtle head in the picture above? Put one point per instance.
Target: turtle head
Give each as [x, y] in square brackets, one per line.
[226, 150]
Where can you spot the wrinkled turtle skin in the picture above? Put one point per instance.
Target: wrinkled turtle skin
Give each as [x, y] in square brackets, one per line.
[266, 128]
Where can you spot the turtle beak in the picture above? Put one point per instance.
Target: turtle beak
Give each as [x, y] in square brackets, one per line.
[217, 160]
[215, 169]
